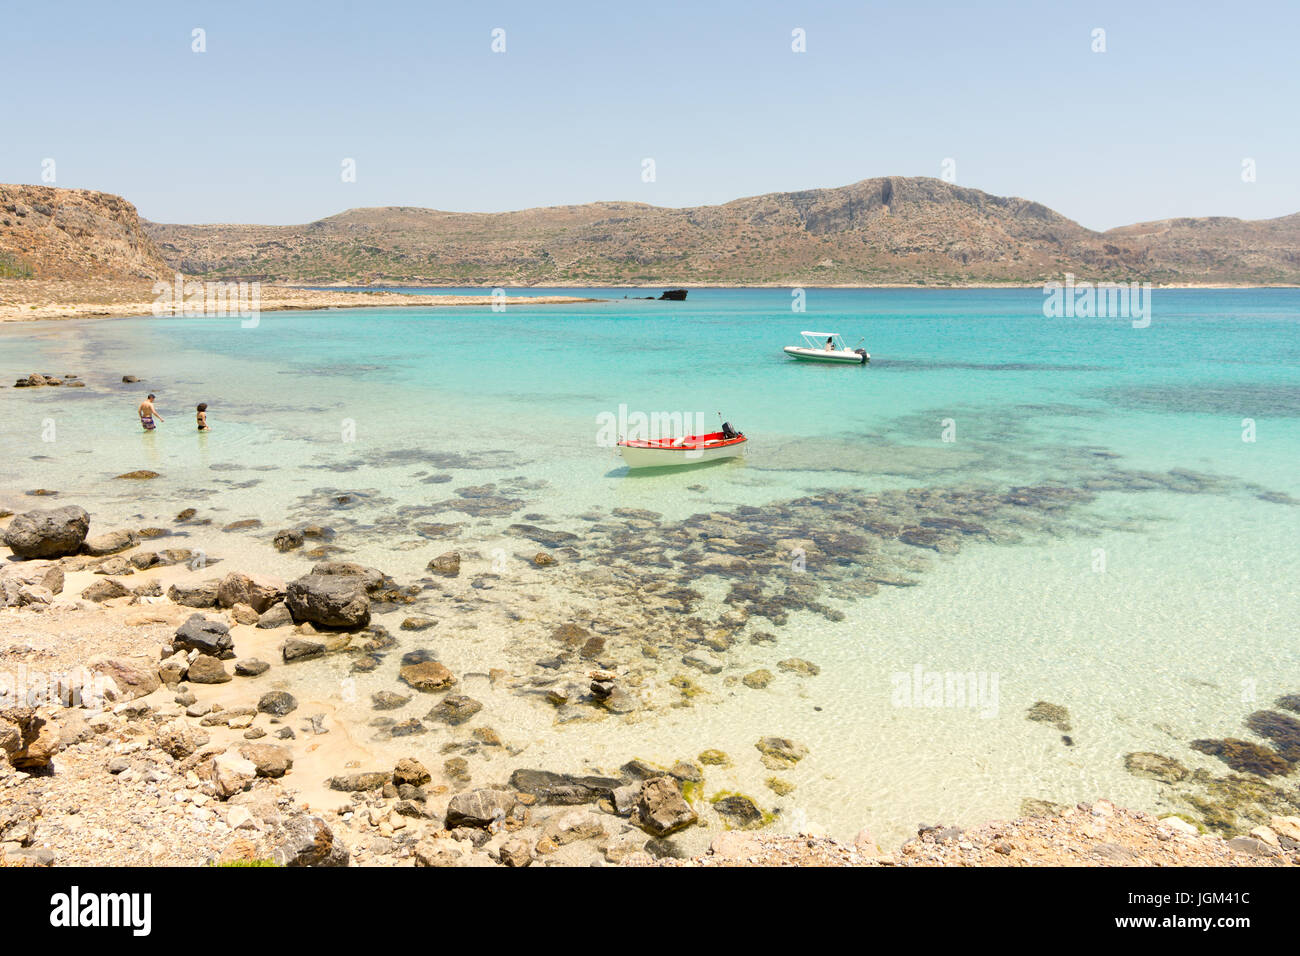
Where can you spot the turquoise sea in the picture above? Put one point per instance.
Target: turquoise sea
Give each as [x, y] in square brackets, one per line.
[1151, 592]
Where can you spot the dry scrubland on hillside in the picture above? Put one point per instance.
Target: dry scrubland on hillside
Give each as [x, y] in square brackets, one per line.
[893, 230]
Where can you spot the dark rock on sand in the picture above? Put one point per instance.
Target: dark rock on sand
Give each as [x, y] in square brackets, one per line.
[105, 590]
[277, 703]
[206, 669]
[479, 808]
[200, 594]
[251, 667]
[359, 782]
[564, 789]
[205, 636]
[277, 615]
[298, 649]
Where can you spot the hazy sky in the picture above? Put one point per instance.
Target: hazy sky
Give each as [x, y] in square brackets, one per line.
[256, 128]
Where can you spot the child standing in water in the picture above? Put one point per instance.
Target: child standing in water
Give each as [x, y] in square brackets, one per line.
[202, 416]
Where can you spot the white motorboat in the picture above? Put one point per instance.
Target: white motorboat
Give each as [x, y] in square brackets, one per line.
[827, 347]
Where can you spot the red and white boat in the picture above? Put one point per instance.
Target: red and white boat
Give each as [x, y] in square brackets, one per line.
[690, 450]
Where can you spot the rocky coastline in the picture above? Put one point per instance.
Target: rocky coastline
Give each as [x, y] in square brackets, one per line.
[152, 716]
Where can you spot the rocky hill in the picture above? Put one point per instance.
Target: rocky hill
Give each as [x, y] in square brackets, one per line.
[50, 233]
[892, 230]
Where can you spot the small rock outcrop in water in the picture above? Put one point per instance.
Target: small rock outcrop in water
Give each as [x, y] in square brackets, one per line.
[47, 534]
[661, 808]
[673, 295]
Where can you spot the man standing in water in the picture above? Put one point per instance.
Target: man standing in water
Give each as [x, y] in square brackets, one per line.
[147, 413]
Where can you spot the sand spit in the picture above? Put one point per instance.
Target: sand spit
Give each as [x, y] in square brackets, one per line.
[32, 299]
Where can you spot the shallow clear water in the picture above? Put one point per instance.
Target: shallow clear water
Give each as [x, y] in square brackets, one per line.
[1194, 613]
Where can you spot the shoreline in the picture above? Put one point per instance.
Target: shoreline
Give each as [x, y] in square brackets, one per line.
[680, 284]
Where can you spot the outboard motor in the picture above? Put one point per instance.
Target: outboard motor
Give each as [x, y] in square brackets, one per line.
[727, 430]
[863, 353]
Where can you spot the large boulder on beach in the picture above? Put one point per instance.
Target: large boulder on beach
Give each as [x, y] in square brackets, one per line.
[51, 533]
[258, 592]
[329, 600]
[205, 636]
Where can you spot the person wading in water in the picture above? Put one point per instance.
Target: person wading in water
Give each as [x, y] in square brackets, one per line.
[148, 413]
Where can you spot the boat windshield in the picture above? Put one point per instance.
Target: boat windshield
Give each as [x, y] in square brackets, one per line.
[818, 340]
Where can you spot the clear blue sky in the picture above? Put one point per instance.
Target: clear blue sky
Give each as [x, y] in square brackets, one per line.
[255, 129]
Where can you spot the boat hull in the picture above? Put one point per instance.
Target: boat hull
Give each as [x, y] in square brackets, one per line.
[821, 355]
[642, 456]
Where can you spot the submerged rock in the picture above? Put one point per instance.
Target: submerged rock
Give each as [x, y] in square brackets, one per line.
[1155, 766]
[446, 564]
[426, 676]
[1053, 714]
[738, 810]
[1244, 756]
[1281, 730]
[454, 709]
[780, 753]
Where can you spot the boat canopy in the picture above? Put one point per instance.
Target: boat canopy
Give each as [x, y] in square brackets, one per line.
[822, 335]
